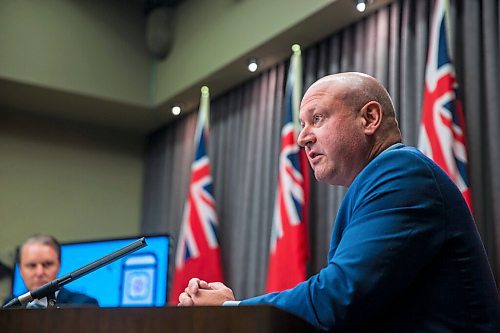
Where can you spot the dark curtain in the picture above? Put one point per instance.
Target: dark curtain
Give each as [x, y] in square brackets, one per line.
[391, 45]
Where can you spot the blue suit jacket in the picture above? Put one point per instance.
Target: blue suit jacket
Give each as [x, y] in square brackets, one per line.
[405, 256]
[69, 298]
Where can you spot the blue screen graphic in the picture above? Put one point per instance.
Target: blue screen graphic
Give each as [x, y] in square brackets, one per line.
[139, 279]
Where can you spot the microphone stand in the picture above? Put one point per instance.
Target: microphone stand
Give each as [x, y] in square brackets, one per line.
[48, 290]
[51, 301]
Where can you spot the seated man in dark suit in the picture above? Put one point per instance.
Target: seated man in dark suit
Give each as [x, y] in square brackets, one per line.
[39, 262]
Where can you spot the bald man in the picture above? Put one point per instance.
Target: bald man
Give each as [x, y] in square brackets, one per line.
[405, 255]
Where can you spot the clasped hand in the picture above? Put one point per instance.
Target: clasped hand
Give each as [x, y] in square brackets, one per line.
[199, 292]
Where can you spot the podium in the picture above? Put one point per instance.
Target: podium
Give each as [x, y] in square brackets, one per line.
[206, 319]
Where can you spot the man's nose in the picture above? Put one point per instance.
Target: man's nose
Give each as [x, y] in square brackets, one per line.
[305, 137]
[39, 270]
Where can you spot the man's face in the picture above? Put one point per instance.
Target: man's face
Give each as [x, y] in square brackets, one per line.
[332, 135]
[39, 264]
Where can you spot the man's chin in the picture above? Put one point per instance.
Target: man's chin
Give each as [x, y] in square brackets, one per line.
[320, 176]
[326, 177]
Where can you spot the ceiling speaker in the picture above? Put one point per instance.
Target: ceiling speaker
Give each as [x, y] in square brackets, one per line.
[160, 31]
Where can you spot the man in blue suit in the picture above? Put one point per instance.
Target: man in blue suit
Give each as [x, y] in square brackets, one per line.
[39, 263]
[405, 254]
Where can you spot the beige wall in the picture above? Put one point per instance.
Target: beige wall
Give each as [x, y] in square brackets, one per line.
[76, 182]
[98, 48]
[91, 47]
[211, 34]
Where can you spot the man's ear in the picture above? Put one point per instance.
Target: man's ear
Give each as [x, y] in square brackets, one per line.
[371, 114]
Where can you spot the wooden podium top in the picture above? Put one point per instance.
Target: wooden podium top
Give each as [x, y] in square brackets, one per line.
[168, 319]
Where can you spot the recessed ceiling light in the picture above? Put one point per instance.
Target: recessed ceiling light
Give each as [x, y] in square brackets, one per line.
[252, 65]
[360, 5]
[176, 110]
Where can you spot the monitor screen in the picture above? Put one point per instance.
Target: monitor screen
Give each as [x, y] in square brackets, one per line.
[138, 279]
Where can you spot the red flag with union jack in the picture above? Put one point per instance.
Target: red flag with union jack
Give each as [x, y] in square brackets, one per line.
[198, 252]
[442, 134]
[289, 240]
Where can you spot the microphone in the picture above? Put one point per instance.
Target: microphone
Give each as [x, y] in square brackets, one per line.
[38, 293]
[51, 287]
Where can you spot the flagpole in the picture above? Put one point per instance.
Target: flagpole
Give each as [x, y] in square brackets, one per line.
[296, 62]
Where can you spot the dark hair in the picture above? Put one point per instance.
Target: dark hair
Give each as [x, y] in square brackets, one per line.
[44, 239]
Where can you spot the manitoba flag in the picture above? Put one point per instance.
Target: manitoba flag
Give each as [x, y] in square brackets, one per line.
[198, 247]
[289, 241]
[442, 134]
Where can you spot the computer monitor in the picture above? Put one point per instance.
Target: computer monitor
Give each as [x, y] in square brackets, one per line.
[139, 279]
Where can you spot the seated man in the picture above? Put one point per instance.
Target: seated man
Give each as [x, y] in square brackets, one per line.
[39, 262]
[405, 254]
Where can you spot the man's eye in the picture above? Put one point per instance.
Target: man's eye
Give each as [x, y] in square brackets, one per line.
[317, 118]
[48, 264]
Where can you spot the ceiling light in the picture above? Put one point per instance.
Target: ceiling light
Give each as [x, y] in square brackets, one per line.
[361, 5]
[176, 110]
[252, 65]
